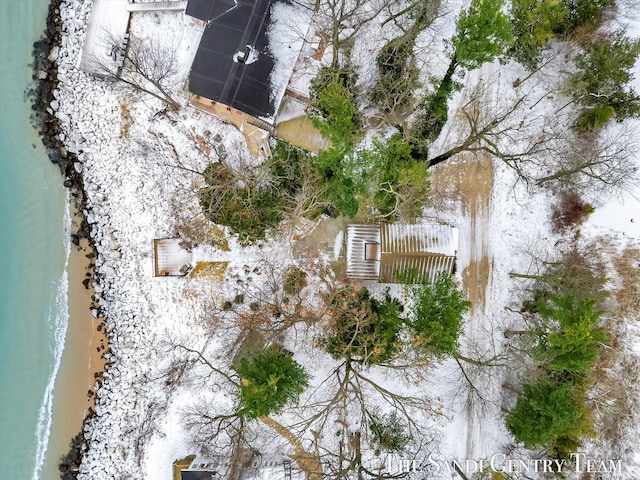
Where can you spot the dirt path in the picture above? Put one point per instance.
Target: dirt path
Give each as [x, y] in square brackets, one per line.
[468, 179]
[308, 462]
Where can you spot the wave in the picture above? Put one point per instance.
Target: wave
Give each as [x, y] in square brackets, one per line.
[58, 320]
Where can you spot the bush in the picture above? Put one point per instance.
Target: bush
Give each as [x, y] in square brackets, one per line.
[583, 14]
[399, 184]
[548, 413]
[434, 110]
[605, 75]
[593, 119]
[248, 213]
[534, 23]
[573, 344]
[295, 280]
[388, 433]
[270, 379]
[571, 211]
[341, 186]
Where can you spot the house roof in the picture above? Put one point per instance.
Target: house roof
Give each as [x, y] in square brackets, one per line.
[424, 248]
[216, 73]
[200, 475]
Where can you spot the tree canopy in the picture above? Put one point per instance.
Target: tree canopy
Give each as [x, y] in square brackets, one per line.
[437, 315]
[483, 32]
[270, 380]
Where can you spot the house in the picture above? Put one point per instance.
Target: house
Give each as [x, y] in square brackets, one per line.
[379, 252]
[256, 467]
[171, 258]
[233, 64]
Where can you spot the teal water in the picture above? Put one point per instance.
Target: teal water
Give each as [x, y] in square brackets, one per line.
[33, 253]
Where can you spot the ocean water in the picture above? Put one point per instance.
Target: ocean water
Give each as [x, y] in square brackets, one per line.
[33, 254]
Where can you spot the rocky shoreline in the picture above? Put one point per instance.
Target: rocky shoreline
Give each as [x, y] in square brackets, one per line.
[44, 105]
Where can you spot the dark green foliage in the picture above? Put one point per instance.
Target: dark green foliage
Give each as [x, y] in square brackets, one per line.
[363, 330]
[536, 22]
[546, 413]
[593, 119]
[334, 112]
[583, 13]
[334, 109]
[434, 111]
[572, 345]
[605, 73]
[295, 280]
[388, 433]
[482, 35]
[341, 187]
[399, 183]
[436, 318]
[398, 75]
[287, 167]
[270, 380]
[248, 212]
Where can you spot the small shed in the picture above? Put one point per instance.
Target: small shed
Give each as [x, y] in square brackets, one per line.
[171, 257]
[379, 252]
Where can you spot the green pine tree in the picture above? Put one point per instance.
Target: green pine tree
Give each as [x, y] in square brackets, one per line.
[270, 380]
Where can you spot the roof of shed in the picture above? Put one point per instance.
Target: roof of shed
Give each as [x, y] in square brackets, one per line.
[232, 26]
[425, 249]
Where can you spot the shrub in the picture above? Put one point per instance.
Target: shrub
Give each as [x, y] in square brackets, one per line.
[534, 23]
[547, 413]
[270, 380]
[583, 13]
[399, 184]
[295, 280]
[571, 211]
[341, 186]
[248, 213]
[388, 433]
[593, 119]
[605, 75]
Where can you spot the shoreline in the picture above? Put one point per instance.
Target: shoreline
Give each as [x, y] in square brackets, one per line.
[83, 363]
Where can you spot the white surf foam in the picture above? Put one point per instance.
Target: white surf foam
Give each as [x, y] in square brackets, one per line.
[58, 319]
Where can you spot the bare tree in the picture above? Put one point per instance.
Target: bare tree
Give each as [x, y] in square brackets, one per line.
[144, 66]
[597, 162]
[343, 19]
[498, 133]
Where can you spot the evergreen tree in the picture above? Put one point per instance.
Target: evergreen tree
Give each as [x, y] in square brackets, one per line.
[437, 314]
[270, 380]
[573, 345]
[545, 413]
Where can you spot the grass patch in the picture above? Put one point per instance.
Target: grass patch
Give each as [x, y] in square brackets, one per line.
[215, 270]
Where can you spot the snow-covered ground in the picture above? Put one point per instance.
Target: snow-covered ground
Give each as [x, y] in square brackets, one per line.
[137, 167]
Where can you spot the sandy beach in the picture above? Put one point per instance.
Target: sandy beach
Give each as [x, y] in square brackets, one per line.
[82, 359]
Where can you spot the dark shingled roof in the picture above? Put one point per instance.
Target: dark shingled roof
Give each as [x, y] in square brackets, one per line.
[199, 475]
[231, 28]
